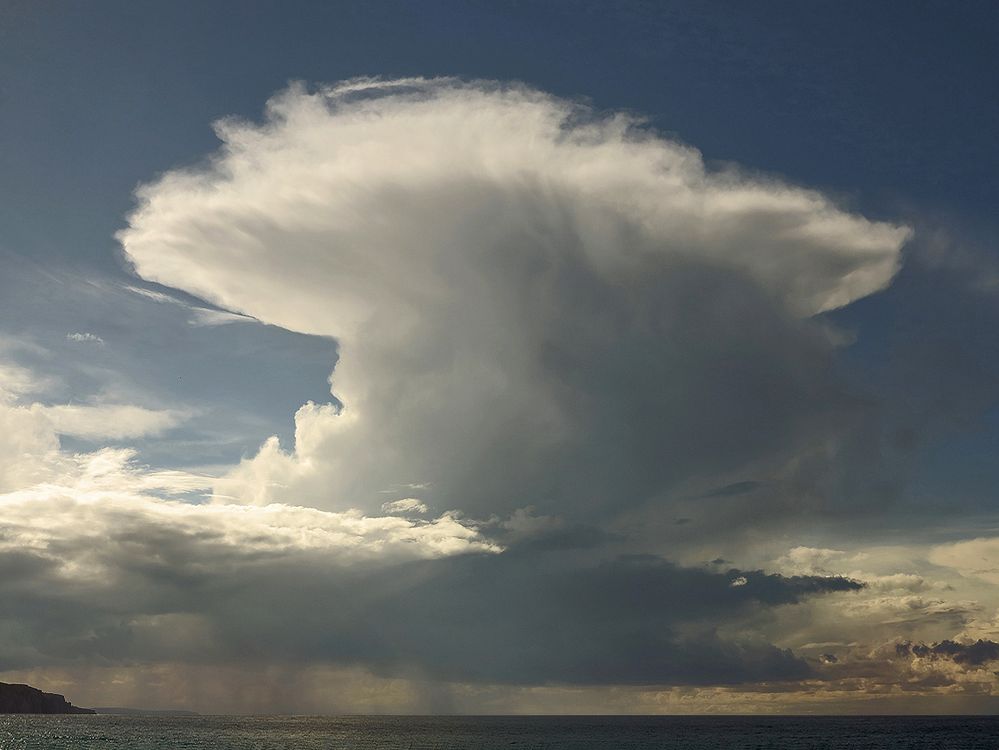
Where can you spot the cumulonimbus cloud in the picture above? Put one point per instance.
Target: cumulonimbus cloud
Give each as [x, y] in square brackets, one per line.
[536, 304]
[547, 318]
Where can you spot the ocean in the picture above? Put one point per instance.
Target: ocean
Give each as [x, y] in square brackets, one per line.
[24, 732]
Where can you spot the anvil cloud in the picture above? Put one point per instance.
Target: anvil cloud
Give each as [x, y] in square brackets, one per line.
[535, 303]
[575, 363]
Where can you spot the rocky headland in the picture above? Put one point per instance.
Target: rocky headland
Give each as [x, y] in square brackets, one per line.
[24, 699]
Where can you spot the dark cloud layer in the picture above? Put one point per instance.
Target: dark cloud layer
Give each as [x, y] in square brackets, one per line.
[972, 654]
[528, 616]
[516, 618]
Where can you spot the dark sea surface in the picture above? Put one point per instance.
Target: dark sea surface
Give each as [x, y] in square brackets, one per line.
[19, 732]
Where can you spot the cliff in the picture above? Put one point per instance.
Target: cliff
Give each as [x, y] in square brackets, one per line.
[24, 699]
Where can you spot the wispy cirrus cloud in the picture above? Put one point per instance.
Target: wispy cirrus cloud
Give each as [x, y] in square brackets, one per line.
[108, 421]
[200, 316]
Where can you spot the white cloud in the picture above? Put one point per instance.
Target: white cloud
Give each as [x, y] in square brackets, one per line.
[200, 316]
[85, 338]
[92, 521]
[404, 506]
[803, 560]
[973, 558]
[17, 381]
[524, 523]
[27, 446]
[58, 504]
[315, 167]
[512, 279]
[29, 431]
[108, 421]
[53, 500]
[106, 491]
[203, 316]
[19, 386]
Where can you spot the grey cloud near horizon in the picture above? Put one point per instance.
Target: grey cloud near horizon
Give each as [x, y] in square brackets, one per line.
[973, 654]
[103, 568]
[171, 587]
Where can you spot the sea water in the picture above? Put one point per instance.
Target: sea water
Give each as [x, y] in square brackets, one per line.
[22, 732]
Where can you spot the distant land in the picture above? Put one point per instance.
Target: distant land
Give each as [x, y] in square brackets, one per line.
[24, 699]
[122, 711]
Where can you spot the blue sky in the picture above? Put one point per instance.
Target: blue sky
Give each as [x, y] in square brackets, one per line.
[617, 414]
[890, 109]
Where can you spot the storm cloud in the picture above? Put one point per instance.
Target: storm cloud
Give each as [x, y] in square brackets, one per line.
[536, 304]
[971, 654]
[158, 581]
[558, 333]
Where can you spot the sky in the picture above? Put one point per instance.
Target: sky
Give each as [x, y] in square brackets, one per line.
[475, 357]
